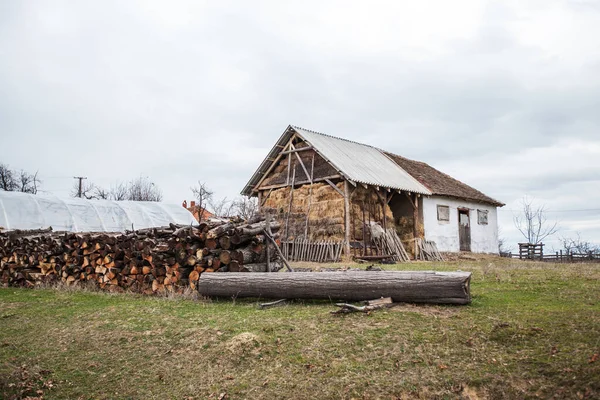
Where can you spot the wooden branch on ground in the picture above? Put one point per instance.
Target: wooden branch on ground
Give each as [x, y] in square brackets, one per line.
[371, 305]
[271, 304]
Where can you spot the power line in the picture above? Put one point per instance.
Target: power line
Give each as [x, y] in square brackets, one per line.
[81, 178]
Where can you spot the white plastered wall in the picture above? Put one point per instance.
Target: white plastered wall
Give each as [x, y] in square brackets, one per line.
[484, 238]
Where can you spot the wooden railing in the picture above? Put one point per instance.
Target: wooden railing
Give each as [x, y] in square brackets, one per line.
[305, 250]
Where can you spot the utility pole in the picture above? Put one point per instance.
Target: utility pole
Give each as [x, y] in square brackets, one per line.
[81, 178]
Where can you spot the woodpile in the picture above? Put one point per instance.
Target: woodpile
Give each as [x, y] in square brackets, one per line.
[155, 260]
[387, 242]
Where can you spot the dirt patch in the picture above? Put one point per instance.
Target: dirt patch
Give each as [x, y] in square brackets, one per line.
[245, 342]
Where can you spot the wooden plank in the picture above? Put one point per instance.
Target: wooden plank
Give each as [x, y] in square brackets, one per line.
[255, 188]
[334, 186]
[296, 150]
[264, 199]
[303, 167]
[287, 219]
[298, 183]
[347, 216]
[310, 190]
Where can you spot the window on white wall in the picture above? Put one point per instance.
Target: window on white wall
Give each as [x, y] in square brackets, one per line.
[482, 217]
[443, 213]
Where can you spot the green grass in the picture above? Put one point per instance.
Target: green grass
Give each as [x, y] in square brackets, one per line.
[530, 332]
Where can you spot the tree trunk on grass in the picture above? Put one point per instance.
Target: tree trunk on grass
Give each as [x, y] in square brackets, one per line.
[401, 286]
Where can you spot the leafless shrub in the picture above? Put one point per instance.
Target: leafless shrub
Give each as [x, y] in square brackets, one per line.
[245, 207]
[139, 189]
[222, 208]
[18, 181]
[142, 189]
[578, 245]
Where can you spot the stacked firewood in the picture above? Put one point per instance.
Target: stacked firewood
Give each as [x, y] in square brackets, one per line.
[155, 260]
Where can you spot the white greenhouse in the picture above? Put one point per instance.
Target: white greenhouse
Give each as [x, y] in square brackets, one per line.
[27, 211]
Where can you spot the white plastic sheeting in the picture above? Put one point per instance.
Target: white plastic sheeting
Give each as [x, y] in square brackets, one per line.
[27, 211]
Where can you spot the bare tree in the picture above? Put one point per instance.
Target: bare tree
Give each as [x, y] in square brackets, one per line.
[245, 207]
[7, 179]
[533, 222]
[203, 196]
[139, 189]
[118, 191]
[142, 189]
[579, 246]
[221, 207]
[18, 181]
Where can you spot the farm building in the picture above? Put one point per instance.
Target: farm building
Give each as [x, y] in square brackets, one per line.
[28, 211]
[322, 187]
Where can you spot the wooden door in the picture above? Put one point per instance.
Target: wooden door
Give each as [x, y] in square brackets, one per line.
[464, 230]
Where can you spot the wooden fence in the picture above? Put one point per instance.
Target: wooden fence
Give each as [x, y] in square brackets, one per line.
[305, 250]
[559, 257]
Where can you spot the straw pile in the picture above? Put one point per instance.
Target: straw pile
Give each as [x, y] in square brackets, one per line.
[326, 216]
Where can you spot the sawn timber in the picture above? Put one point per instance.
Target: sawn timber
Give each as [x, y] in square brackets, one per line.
[401, 286]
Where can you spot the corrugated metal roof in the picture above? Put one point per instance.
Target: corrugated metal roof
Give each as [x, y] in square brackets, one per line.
[362, 163]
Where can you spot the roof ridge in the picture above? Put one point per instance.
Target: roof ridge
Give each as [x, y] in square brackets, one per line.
[446, 176]
[336, 137]
[410, 159]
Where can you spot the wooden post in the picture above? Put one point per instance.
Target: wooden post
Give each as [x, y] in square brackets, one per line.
[268, 253]
[347, 216]
[364, 252]
[287, 219]
[259, 200]
[312, 171]
[416, 223]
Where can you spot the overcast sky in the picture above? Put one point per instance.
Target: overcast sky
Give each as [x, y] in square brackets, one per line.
[501, 95]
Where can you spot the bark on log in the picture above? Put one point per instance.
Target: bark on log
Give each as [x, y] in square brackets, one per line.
[401, 286]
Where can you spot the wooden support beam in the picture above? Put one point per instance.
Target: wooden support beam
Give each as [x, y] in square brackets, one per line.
[287, 219]
[390, 198]
[333, 185]
[289, 166]
[312, 170]
[268, 171]
[347, 217]
[280, 185]
[412, 203]
[416, 223]
[264, 199]
[297, 150]
[309, 177]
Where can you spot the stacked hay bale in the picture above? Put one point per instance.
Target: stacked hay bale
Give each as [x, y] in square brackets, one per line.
[325, 217]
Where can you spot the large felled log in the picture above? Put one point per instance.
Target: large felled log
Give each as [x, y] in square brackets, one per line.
[401, 286]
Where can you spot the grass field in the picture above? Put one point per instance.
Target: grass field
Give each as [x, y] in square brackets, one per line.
[532, 331]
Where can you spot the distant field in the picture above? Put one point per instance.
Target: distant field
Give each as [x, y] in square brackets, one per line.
[532, 331]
